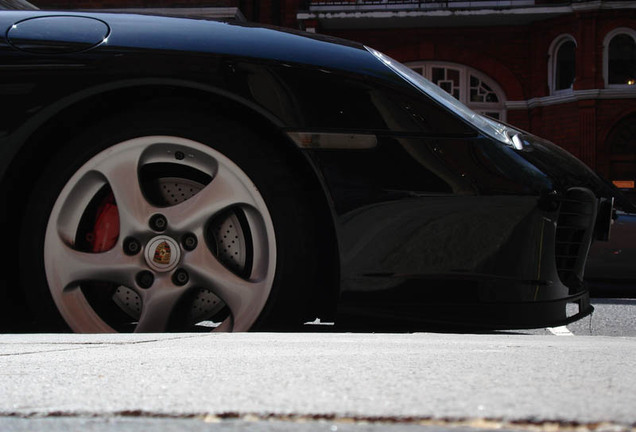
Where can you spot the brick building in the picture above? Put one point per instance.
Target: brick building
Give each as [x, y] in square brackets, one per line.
[564, 70]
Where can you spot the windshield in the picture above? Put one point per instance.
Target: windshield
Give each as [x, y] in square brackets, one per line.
[489, 127]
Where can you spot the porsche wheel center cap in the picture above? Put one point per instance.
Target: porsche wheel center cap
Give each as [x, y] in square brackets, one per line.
[162, 253]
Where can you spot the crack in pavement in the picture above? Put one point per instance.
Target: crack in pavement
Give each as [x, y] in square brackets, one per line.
[110, 342]
[39, 352]
[103, 342]
[83, 345]
[527, 425]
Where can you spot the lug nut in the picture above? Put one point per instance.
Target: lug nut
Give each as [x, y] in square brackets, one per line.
[145, 279]
[131, 246]
[158, 222]
[180, 277]
[189, 241]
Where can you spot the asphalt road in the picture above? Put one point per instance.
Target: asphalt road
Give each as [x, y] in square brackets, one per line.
[322, 381]
[611, 317]
[574, 379]
[423, 375]
[205, 424]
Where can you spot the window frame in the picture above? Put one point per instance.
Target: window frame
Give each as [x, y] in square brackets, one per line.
[553, 52]
[425, 68]
[606, 43]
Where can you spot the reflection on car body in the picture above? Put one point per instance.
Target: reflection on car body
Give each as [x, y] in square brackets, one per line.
[164, 174]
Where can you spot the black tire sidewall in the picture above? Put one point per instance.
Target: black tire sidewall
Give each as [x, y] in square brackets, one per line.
[268, 166]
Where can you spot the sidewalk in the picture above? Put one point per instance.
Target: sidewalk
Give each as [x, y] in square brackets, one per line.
[420, 378]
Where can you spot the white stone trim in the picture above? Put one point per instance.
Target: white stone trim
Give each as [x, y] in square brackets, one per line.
[341, 12]
[203, 12]
[389, 10]
[601, 4]
[574, 96]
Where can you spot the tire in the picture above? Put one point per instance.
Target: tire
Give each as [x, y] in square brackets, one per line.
[164, 221]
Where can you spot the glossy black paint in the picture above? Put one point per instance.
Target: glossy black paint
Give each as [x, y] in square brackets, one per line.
[50, 35]
[453, 224]
[437, 222]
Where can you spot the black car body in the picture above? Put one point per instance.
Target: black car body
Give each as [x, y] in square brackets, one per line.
[396, 201]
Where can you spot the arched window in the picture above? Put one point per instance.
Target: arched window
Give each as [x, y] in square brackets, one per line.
[474, 89]
[562, 65]
[620, 58]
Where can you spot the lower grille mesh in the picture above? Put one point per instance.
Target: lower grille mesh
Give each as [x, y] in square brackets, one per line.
[576, 219]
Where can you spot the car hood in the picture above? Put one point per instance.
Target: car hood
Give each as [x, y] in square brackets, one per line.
[147, 32]
[568, 171]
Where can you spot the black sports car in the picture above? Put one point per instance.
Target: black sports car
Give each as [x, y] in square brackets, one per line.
[162, 174]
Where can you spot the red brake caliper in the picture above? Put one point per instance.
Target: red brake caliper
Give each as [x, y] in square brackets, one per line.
[106, 228]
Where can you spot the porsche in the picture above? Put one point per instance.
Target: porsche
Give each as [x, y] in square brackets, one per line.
[173, 174]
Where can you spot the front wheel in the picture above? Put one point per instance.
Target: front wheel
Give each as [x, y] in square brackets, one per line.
[164, 232]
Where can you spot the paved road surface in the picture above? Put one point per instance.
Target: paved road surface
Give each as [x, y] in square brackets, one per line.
[611, 317]
[421, 376]
[325, 381]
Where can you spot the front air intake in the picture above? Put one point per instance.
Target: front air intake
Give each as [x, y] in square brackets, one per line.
[575, 223]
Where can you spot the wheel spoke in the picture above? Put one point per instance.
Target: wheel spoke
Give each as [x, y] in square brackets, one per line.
[67, 267]
[158, 304]
[225, 326]
[121, 173]
[238, 294]
[260, 243]
[82, 315]
[224, 191]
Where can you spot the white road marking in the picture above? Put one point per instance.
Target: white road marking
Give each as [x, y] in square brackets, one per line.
[318, 322]
[560, 331]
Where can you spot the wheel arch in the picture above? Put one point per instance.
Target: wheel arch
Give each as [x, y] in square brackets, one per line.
[34, 143]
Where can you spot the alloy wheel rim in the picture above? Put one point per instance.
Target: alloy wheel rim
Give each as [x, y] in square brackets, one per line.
[226, 197]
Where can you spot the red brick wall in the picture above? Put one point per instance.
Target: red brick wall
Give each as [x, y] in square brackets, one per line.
[507, 64]
[609, 113]
[559, 124]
